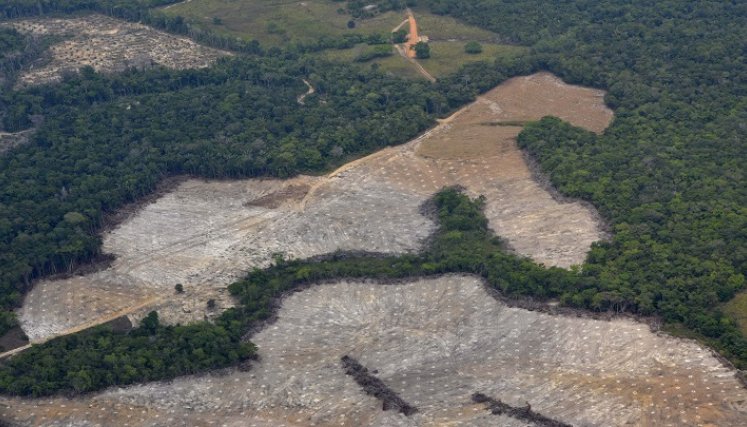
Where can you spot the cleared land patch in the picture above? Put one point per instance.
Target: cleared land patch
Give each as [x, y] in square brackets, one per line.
[206, 235]
[274, 23]
[448, 56]
[107, 45]
[434, 342]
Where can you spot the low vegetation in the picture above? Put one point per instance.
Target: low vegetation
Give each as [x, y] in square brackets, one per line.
[17, 51]
[375, 387]
[496, 407]
[668, 174]
[374, 52]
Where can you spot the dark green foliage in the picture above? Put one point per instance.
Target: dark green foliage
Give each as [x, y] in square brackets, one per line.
[99, 358]
[422, 50]
[462, 244]
[670, 172]
[10, 41]
[399, 36]
[16, 51]
[106, 141]
[20, 8]
[473, 47]
[374, 52]
[140, 11]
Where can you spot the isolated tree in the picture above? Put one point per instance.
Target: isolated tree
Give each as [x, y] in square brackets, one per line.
[351, 24]
[399, 36]
[211, 304]
[179, 288]
[422, 50]
[473, 47]
[150, 323]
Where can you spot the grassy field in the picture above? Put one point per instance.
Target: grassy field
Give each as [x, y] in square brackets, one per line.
[444, 28]
[737, 310]
[394, 64]
[448, 56]
[274, 22]
[277, 23]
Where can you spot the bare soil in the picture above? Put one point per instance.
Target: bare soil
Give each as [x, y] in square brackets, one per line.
[107, 45]
[434, 342]
[206, 234]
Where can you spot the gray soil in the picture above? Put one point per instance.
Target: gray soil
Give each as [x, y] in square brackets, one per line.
[434, 342]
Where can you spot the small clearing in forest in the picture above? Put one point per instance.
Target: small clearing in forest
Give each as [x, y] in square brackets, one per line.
[107, 45]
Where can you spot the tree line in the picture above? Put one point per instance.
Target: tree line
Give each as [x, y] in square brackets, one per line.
[104, 141]
[95, 359]
[670, 172]
[667, 174]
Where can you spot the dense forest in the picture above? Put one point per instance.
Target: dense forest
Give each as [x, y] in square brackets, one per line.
[668, 174]
[101, 357]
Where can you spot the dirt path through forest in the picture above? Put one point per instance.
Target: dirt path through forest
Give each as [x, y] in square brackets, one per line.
[303, 96]
[406, 49]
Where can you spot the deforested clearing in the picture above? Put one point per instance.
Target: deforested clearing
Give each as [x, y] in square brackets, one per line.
[107, 45]
[205, 235]
[434, 342]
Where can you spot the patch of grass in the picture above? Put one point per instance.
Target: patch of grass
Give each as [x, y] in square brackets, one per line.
[276, 23]
[736, 309]
[448, 57]
[395, 64]
[445, 28]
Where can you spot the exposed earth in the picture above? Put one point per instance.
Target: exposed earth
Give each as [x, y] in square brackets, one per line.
[434, 342]
[206, 235]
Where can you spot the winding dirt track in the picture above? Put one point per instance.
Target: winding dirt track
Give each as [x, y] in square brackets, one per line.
[406, 50]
